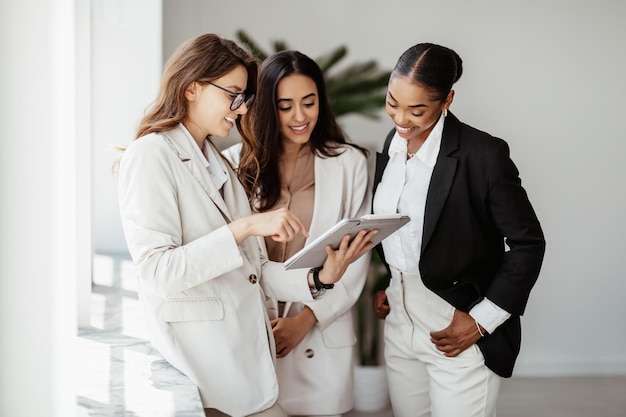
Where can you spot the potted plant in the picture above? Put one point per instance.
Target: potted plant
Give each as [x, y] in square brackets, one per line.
[370, 381]
[368, 326]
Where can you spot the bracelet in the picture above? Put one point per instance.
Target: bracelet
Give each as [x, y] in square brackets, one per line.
[316, 279]
[478, 328]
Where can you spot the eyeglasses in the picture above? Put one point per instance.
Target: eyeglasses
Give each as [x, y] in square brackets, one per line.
[238, 98]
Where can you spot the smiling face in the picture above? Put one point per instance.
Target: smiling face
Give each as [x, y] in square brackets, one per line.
[209, 107]
[298, 109]
[412, 110]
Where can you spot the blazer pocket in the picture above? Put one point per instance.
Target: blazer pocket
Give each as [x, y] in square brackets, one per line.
[340, 333]
[194, 309]
[462, 295]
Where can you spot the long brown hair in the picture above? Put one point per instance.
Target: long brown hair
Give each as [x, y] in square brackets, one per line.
[205, 57]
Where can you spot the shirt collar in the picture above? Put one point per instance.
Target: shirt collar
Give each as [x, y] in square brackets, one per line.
[195, 146]
[209, 159]
[428, 152]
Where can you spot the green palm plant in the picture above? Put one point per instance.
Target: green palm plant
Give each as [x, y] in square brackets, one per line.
[367, 324]
[359, 88]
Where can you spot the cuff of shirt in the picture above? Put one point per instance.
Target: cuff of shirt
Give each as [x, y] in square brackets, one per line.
[489, 315]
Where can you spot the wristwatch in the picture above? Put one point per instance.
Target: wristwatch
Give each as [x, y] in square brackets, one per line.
[316, 293]
[319, 285]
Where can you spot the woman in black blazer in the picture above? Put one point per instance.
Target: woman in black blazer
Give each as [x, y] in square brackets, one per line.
[463, 268]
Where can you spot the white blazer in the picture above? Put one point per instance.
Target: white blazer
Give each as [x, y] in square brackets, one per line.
[316, 378]
[204, 307]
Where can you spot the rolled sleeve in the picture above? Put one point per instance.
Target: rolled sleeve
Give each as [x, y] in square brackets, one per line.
[489, 315]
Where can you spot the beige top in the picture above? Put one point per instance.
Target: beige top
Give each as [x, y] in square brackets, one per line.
[298, 197]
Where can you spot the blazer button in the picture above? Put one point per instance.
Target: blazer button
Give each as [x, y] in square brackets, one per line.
[252, 278]
[309, 353]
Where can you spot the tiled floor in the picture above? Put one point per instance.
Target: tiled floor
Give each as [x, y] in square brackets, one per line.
[600, 396]
[589, 396]
[122, 375]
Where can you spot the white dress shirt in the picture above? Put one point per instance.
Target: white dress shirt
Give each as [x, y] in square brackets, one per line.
[403, 189]
[209, 158]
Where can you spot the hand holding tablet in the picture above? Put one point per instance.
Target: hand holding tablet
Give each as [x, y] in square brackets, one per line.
[314, 254]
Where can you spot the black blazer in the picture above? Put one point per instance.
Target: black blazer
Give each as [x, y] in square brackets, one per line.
[475, 204]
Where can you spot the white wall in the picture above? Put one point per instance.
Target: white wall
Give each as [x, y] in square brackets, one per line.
[38, 190]
[126, 68]
[546, 76]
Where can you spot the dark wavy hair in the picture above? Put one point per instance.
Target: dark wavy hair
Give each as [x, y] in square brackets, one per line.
[432, 66]
[258, 169]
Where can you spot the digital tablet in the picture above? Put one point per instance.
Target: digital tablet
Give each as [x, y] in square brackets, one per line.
[313, 254]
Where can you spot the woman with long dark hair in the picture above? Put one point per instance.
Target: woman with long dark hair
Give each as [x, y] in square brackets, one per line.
[306, 165]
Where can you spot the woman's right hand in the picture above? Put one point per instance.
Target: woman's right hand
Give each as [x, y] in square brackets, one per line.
[282, 225]
[380, 304]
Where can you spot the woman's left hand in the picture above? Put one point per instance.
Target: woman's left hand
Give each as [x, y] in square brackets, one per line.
[290, 331]
[337, 261]
[458, 336]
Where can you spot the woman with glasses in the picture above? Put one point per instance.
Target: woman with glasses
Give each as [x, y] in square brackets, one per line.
[194, 240]
[462, 269]
[307, 166]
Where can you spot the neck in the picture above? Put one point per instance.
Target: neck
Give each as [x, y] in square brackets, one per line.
[290, 149]
[196, 133]
[414, 145]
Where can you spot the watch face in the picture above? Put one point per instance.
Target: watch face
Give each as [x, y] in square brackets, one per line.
[316, 293]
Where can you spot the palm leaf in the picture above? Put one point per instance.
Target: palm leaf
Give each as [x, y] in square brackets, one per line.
[280, 46]
[368, 325]
[327, 61]
[367, 67]
[252, 46]
[365, 104]
[358, 88]
[338, 87]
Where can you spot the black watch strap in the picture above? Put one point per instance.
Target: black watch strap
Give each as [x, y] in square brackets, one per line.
[316, 279]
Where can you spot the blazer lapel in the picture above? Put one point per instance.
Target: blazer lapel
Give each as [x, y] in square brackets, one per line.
[237, 206]
[441, 180]
[381, 163]
[234, 194]
[190, 158]
[328, 176]
[382, 158]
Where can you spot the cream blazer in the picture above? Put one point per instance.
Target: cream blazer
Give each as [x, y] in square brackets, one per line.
[204, 308]
[316, 378]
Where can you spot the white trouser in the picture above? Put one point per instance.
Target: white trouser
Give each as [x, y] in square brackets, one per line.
[422, 381]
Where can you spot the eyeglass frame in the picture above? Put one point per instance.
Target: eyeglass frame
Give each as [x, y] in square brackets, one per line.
[243, 98]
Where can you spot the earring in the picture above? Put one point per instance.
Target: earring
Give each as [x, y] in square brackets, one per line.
[444, 112]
